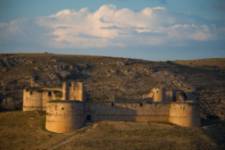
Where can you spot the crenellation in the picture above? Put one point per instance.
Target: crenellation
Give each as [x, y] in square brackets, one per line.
[70, 110]
[35, 97]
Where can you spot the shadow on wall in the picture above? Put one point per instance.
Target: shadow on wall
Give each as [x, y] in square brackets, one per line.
[139, 112]
[66, 116]
[110, 111]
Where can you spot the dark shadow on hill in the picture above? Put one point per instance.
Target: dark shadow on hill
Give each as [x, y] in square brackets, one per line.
[217, 132]
[109, 111]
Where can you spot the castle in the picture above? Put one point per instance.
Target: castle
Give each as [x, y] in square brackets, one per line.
[67, 109]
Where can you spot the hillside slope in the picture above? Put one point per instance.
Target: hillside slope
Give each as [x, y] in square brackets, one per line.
[27, 132]
[109, 79]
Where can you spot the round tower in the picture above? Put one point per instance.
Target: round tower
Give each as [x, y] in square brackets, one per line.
[64, 116]
[158, 94]
[32, 100]
[184, 114]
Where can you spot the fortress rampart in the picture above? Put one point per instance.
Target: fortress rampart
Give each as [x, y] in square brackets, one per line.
[76, 91]
[67, 110]
[140, 112]
[64, 116]
[32, 100]
[184, 114]
[35, 98]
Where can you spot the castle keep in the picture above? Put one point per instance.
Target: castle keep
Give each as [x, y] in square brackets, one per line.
[35, 98]
[67, 109]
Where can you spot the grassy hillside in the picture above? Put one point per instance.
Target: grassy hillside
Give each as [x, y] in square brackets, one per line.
[20, 130]
[216, 63]
[109, 79]
[24, 130]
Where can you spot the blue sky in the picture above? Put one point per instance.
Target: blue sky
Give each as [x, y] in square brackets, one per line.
[147, 29]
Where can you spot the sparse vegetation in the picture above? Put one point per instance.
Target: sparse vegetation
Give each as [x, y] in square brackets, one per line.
[24, 130]
[110, 79]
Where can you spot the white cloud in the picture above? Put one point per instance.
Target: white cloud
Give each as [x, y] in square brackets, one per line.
[109, 26]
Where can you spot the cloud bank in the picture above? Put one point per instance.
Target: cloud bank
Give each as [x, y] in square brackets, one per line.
[108, 27]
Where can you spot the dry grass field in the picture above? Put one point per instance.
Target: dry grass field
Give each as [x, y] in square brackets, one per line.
[25, 130]
[210, 63]
[109, 79]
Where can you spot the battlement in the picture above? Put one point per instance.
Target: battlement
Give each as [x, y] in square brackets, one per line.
[66, 109]
[178, 113]
[36, 98]
[162, 95]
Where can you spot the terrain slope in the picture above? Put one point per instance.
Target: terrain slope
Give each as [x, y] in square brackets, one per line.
[110, 79]
[25, 130]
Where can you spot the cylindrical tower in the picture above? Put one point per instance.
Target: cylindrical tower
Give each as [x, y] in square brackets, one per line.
[64, 116]
[184, 114]
[32, 100]
[158, 94]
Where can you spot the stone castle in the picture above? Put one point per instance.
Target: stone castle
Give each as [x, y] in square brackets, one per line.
[67, 108]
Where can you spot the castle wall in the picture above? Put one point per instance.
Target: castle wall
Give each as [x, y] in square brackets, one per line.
[47, 96]
[70, 111]
[32, 100]
[52, 89]
[65, 90]
[64, 116]
[184, 114]
[76, 91]
[158, 94]
[129, 112]
[37, 99]
[169, 96]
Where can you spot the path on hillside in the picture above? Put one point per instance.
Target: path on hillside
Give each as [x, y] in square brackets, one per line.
[65, 140]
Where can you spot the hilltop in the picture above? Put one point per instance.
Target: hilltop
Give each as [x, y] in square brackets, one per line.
[109, 79]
